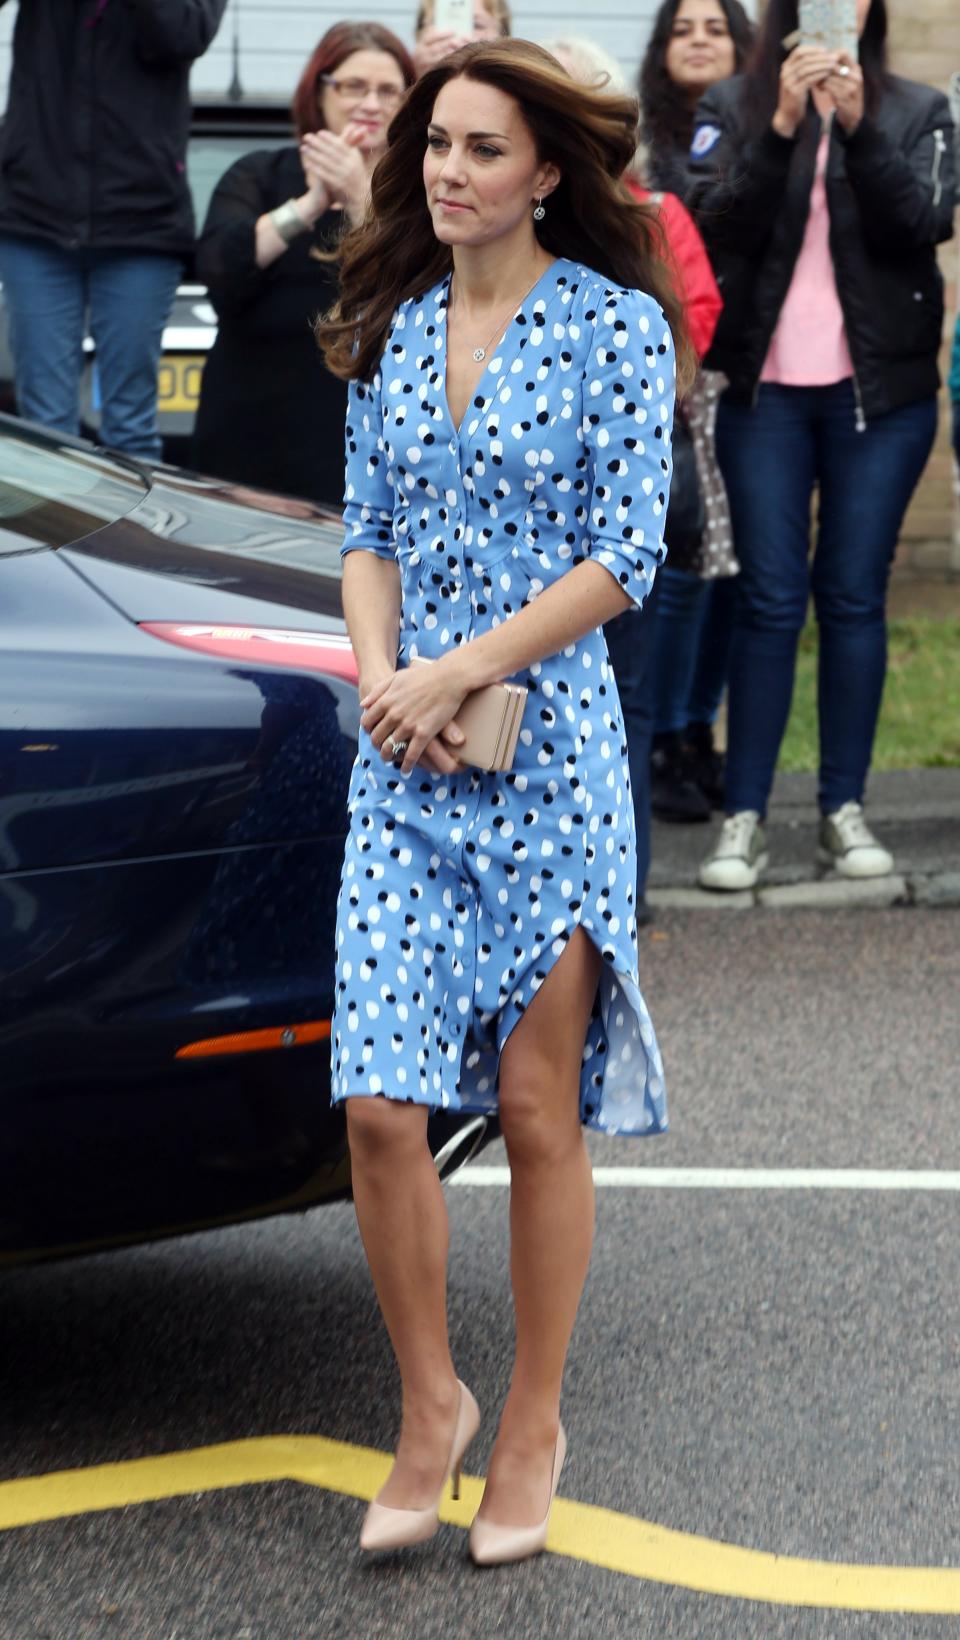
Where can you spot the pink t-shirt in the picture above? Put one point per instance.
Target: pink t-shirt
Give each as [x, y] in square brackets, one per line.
[809, 345]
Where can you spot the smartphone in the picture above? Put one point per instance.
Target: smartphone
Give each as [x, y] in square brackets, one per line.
[455, 16]
[831, 24]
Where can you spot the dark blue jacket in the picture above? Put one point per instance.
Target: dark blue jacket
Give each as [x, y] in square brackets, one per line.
[890, 194]
[94, 139]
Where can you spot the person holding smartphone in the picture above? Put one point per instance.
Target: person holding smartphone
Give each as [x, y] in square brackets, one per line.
[506, 492]
[822, 185]
[443, 26]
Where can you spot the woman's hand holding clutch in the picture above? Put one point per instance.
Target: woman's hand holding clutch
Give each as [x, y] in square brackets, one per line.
[409, 718]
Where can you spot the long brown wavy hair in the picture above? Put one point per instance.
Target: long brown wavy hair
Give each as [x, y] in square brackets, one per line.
[589, 133]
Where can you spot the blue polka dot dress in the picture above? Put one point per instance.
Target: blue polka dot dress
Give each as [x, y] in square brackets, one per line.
[459, 893]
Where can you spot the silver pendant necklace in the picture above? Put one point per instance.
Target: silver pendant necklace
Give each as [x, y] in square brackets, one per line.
[480, 353]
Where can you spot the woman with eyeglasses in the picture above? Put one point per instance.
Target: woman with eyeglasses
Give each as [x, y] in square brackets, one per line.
[270, 414]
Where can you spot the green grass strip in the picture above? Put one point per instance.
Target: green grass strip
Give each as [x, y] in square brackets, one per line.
[920, 718]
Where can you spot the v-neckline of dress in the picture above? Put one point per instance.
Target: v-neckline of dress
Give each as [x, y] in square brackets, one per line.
[493, 353]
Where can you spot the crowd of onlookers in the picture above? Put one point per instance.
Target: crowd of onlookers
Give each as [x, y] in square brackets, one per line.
[801, 192]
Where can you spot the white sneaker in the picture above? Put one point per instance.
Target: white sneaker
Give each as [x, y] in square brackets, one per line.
[848, 844]
[740, 854]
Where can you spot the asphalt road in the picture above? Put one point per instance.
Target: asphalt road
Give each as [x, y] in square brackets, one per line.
[774, 1369]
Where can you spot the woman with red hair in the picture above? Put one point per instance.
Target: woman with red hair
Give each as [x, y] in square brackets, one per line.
[270, 413]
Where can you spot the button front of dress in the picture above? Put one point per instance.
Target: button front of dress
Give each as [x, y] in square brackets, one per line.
[460, 893]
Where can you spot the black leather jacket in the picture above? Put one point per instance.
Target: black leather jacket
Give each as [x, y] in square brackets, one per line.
[95, 135]
[890, 193]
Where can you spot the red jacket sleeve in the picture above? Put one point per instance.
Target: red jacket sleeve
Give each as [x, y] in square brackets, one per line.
[696, 286]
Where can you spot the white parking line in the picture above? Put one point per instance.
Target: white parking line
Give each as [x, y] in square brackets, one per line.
[738, 1178]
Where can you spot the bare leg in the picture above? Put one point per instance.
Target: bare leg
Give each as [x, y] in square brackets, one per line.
[551, 1226]
[403, 1225]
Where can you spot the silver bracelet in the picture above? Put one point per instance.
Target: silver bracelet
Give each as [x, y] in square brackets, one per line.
[288, 222]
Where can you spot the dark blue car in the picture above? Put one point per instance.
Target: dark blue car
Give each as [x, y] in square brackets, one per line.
[178, 720]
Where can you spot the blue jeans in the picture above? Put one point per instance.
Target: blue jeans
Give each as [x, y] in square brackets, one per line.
[128, 294]
[630, 645]
[692, 636]
[772, 458]
[712, 666]
[675, 636]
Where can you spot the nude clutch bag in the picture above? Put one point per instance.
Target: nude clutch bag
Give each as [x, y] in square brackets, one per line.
[490, 719]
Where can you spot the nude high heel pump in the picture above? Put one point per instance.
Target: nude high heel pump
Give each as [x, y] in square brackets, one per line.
[493, 1545]
[385, 1528]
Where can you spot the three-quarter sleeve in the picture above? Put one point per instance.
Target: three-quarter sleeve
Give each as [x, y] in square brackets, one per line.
[368, 488]
[628, 398]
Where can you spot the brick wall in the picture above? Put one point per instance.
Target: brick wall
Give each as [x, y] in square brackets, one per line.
[925, 45]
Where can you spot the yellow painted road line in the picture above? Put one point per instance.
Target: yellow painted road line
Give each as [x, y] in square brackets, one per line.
[601, 1537]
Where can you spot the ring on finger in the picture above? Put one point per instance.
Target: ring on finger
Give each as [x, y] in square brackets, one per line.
[396, 748]
[844, 69]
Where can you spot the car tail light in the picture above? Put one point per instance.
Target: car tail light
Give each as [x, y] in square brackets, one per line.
[328, 652]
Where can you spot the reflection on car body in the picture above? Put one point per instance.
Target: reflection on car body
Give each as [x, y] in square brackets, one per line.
[178, 722]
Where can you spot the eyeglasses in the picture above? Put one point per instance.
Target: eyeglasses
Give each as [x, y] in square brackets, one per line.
[358, 90]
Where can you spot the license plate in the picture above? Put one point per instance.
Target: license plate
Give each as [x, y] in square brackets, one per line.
[178, 382]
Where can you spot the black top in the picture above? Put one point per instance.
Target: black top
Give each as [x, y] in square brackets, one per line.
[890, 194]
[95, 135]
[270, 413]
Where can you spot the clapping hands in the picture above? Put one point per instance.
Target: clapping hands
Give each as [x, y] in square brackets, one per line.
[336, 171]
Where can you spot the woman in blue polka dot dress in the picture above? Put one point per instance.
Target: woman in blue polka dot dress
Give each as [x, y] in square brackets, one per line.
[504, 325]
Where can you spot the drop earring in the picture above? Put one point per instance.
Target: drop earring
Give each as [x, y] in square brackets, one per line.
[539, 210]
